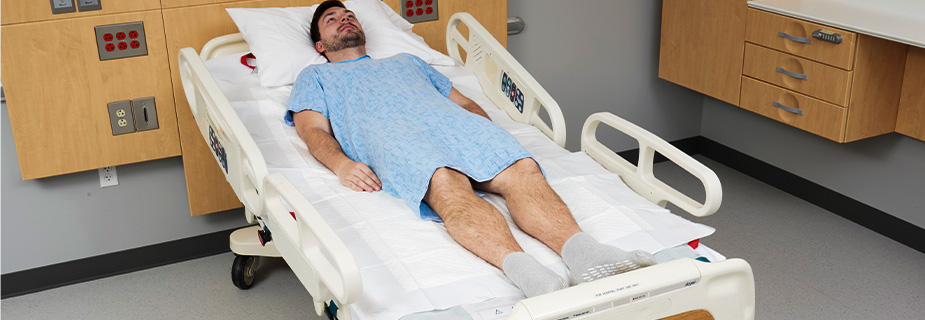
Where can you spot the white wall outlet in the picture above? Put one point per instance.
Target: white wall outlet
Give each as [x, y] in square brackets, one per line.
[108, 177]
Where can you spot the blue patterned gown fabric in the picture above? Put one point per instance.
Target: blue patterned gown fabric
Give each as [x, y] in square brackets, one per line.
[393, 115]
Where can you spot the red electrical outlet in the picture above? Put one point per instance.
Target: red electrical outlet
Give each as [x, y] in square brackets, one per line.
[128, 38]
[419, 10]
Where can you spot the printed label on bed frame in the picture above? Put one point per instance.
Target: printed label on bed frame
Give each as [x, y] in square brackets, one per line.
[510, 89]
[218, 149]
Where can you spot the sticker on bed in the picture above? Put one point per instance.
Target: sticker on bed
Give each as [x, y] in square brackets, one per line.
[216, 145]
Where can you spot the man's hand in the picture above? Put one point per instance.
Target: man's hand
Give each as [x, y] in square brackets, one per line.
[358, 176]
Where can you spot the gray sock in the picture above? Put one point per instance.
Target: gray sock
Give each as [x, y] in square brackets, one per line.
[531, 276]
[589, 260]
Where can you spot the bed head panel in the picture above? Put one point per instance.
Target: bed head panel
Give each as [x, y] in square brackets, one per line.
[192, 23]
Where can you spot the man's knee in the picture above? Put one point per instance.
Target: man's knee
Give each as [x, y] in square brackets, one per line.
[446, 183]
[526, 166]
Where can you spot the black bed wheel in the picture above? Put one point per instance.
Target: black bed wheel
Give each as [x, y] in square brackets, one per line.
[243, 271]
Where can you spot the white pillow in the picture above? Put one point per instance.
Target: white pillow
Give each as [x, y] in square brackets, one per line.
[279, 38]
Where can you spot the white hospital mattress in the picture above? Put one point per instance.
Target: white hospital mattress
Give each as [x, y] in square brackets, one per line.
[409, 265]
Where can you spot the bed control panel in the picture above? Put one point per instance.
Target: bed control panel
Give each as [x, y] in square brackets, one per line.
[123, 40]
[216, 145]
[510, 89]
[419, 10]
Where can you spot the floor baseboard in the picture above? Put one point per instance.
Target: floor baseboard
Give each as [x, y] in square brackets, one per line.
[111, 264]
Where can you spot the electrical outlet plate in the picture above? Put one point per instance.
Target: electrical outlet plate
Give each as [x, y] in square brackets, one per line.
[88, 5]
[120, 117]
[145, 113]
[419, 10]
[108, 177]
[123, 40]
[62, 6]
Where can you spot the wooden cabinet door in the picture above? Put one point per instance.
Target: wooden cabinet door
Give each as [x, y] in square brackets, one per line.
[702, 46]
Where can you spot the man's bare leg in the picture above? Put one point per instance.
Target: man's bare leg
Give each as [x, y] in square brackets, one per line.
[535, 207]
[479, 227]
[539, 212]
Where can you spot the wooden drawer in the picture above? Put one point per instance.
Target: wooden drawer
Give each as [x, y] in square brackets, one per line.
[819, 117]
[770, 30]
[811, 78]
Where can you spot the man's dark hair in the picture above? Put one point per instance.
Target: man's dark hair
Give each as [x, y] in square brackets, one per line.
[324, 6]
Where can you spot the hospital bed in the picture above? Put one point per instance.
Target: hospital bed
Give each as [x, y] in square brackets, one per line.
[297, 216]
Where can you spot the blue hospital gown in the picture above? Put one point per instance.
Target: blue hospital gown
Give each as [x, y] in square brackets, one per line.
[394, 115]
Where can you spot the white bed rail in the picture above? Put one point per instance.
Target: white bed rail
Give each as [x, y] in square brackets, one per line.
[231, 144]
[315, 253]
[640, 178]
[505, 82]
[726, 289]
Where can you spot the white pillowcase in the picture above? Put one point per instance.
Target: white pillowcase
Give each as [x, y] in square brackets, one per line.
[279, 38]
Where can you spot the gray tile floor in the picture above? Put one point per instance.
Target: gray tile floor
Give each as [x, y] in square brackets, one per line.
[808, 264]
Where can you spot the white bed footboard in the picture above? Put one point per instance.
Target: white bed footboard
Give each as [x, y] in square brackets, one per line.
[640, 177]
[505, 82]
[726, 289]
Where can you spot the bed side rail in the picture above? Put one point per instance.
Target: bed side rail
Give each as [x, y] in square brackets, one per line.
[224, 45]
[640, 178]
[726, 289]
[230, 143]
[504, 80]
[318, 257]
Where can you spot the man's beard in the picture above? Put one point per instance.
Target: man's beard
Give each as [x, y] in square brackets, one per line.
[346, 40]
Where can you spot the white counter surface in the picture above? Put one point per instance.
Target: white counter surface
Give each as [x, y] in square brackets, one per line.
[897, 20]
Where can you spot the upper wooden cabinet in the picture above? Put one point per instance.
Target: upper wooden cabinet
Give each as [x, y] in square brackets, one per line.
[701, 46]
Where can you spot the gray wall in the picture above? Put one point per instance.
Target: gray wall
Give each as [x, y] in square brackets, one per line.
[57, 219]
[602, 55]
[885, 172]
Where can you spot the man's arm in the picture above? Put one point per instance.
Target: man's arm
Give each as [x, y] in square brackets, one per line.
[315, 130]
[467, 103]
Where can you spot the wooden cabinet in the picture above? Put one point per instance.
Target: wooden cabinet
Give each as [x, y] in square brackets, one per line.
[772, 65]
[701, 46]
[57, 93]
[911, 117]
[859, 75]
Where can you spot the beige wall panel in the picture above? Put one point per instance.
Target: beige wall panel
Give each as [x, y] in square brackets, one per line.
[701, 46]
[492, 14]
[910, 119]
[18, 11]
[57, 90]
[878, 81]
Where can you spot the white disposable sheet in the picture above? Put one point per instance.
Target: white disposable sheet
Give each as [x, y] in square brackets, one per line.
[409, 265]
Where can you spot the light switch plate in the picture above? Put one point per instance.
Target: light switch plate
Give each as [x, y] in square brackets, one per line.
[145, 114]
[62, 6]
[88, 5]
[123, 40]
[120, 117]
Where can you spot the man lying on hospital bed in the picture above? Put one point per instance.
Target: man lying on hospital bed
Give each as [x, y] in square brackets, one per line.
[397, 124]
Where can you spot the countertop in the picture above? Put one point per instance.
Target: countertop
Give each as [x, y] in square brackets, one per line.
[897, 20]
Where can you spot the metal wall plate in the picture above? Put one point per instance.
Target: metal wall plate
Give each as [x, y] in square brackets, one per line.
[62, 6]
[123, 40]
[419, 10]
[120, 117]
[145, 113]
[89, 5]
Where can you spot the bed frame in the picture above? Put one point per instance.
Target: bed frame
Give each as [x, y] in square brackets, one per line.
[679, 289]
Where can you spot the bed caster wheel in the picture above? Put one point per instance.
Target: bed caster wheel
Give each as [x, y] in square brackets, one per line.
[243, 271]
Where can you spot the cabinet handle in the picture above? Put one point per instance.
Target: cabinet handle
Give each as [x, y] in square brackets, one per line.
[793, 74]
[797, 39]
[793, 110]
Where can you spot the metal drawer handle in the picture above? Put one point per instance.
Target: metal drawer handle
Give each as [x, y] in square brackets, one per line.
[793, 110]
[797, 39]
[793, 74]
